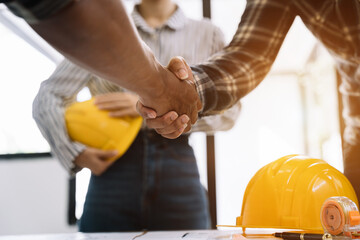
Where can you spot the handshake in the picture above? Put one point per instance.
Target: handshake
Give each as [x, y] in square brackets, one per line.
[170, 104]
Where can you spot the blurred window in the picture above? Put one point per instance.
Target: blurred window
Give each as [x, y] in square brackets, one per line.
[25, 61]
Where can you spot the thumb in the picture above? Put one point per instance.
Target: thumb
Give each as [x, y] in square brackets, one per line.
[145, 112]
[179, 67]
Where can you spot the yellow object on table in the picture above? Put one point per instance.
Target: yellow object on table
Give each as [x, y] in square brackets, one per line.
[289, 193]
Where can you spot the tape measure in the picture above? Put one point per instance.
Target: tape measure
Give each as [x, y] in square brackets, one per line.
[340, 216]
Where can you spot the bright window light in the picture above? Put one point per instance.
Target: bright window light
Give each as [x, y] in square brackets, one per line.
[23, 68]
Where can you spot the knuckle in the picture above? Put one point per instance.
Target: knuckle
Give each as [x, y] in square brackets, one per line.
[167, 121]
[178, 124]
[176, 134]
[160, 131]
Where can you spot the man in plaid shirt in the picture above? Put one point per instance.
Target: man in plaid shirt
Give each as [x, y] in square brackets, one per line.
[235, 71]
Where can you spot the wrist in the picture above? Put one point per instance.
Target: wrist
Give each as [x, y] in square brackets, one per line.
[155, 85]
[206, 91]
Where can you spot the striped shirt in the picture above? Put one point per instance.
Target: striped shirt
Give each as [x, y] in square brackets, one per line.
[235, 71]
[170, 40]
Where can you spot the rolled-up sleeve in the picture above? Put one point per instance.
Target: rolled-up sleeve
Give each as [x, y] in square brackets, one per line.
[225, 120]
[49, 107]
[236, 70]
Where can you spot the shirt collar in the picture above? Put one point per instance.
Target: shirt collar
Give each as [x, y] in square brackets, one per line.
[175, 22]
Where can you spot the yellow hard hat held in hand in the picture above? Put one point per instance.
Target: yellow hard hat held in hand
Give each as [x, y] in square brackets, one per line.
[95, 128]
[289, 193]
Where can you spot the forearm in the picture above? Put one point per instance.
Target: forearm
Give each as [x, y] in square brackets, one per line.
[50, 121]
[48, 110]
[99, 36]
[351, 102]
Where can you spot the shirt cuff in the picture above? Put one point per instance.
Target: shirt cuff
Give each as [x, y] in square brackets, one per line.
[35, 10]
[66, 154]
[206, 90]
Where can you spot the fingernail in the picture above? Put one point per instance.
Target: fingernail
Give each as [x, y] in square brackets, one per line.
[173, 116]
[182, 74]
[183, 127]
[185, 119]
[151, 115]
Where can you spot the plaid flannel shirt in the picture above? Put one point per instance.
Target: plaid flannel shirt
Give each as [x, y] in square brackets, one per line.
[235, 71]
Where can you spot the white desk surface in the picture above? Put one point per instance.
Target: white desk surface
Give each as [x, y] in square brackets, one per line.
[169, 235]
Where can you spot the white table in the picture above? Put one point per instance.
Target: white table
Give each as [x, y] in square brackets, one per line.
[161, 235]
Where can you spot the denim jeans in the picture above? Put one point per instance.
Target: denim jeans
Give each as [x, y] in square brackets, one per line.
[154, 186]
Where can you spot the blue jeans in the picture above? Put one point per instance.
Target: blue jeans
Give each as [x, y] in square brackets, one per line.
[154, 186]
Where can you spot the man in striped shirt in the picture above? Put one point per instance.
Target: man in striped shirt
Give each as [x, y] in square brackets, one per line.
[236, 70]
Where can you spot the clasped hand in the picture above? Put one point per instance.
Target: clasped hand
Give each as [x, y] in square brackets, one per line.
[177, 108]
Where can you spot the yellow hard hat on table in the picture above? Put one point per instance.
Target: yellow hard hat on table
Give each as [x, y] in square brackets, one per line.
[289, 193]
[95, 128]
